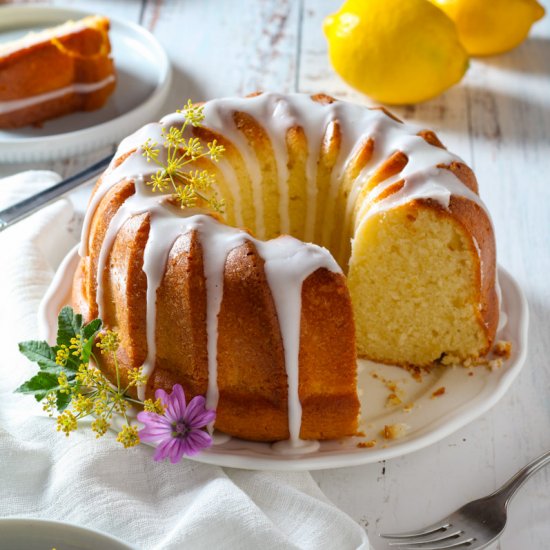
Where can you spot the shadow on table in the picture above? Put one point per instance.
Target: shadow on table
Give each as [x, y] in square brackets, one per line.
[498, 116]
[531, 57]
[183, 87]
[504, 117]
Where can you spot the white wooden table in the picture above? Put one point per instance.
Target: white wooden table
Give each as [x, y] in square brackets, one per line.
[498, 120]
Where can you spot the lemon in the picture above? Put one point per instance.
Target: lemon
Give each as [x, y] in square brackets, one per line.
[489, 27]
[395, 51]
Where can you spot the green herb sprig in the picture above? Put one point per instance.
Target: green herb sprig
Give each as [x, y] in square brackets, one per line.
[187, 186]
[68, 382]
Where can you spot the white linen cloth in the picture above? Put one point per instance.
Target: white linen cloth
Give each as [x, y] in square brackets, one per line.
[98, 483]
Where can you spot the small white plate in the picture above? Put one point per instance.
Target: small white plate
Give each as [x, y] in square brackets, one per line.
[467, 396]
[143, 82]
[41, 534]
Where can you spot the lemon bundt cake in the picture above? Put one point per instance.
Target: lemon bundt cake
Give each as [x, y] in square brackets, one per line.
[56, 71]
[261, 322]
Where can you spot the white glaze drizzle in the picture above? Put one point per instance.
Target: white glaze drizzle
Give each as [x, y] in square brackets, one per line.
[33, 38]
[288, 261]
[231, 178]
[217, 241]
[221, 121]
[13, 105]
[282, 119]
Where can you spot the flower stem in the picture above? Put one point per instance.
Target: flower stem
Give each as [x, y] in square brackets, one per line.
[117, 371]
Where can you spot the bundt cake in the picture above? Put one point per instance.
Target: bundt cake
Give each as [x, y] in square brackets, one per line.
[263, 324]
[56, 71]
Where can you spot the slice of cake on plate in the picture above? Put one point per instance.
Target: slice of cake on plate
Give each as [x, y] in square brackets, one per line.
[55, 72]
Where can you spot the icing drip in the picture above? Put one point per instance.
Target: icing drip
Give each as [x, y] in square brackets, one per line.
[221, 121]
[288, 261]
[229, 175]
[33, 38]
[217, 241]
[78, 88]
[282, 120]
[163, 233]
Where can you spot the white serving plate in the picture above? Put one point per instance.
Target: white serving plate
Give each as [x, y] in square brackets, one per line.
[41, 534]
[431, 419]
[143, 82]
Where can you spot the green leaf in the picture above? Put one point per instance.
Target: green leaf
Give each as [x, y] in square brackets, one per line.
[91, 329]
[63, 400]
[39, 385]
[46, 381]
[89, 333]
[69, 325]
[39, 352]
[56, 370]
[87, 349]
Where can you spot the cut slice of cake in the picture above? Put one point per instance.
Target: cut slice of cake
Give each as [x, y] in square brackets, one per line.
[55, 72]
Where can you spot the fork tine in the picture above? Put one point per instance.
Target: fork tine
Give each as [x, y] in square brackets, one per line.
[426, 531]
[417, 541]
[452, 544]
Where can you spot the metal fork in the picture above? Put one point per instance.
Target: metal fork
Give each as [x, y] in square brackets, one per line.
[19, 211]
[474, 526]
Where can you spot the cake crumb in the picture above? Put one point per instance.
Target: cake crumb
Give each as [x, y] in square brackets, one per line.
[360, 434]
[367, 444]
[471, 373]
[391, 385]
[450, 360]
[494, 364]
[439, 392]
[503, 348]
[394, 431]
[416, 372]
[393, 400]
[408, 407]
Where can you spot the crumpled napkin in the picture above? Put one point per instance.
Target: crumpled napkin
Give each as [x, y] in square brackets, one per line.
[98, 483]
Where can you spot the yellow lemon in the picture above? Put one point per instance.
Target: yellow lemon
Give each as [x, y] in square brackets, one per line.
[395, 51]
[488, 27]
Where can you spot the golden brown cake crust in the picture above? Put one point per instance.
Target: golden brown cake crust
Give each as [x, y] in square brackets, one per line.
[478, 225]
[251, 377]
[251, 372]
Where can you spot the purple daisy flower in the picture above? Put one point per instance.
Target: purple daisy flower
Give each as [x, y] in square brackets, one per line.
[178, 431]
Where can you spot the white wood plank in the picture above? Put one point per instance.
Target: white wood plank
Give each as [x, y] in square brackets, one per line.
[510, 131]
[226, 48]
[128, 10]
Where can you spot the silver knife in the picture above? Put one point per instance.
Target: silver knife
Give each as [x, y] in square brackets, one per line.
[20, 210]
